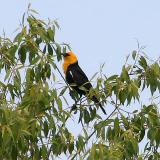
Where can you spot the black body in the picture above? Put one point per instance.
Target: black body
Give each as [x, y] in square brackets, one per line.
[76, 78]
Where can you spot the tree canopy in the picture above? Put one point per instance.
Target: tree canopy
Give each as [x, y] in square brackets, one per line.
[35, 107]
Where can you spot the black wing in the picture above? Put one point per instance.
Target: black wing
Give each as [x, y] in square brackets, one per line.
[76, 75]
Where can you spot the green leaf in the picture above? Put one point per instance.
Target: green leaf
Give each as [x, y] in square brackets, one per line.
[44, 152]
[134, 53]
[51, 34]
[38, 41]
[113, 77]
[58, 52]
[64, 49]
[123, 96]
[125, 75]
[26, 133]
[63, 91]
[8, 129]
[17, 82]
[30, 75]
[80, 143]
[150, 157]
[11, 52]
[45, 124]
[142, 134]
[109, 133]
[135, 145]
[92, 113]
[125, 122]
[35, 60]
[10, 88]
[50, 50]
[7, 75]
[14, 152]
[22, 53]
[71, 148]
[140, 157]
[43, 34]
[59, 103]
[48, 70]
[86, 116]
[135, 111]
[23, 18]
[57, 25]
[18, 37]
[33, 11]
[116, 125]
[143, 62]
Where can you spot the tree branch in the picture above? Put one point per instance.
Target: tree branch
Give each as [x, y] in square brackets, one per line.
[86, 141]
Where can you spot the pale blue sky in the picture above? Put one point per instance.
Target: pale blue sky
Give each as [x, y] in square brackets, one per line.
[97, 30]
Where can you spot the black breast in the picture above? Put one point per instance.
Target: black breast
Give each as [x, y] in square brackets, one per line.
[77, 78]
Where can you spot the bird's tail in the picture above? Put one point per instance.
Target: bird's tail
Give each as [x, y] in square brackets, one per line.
[94, 98]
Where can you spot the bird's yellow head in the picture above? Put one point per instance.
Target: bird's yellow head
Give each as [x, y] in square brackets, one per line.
[69, 58]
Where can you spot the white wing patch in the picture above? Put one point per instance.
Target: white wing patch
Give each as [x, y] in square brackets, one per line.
[71, 73]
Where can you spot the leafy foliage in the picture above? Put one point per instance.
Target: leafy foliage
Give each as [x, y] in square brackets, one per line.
[33, 112]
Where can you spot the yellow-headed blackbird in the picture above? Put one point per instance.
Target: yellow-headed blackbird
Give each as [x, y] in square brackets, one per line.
[75, 75]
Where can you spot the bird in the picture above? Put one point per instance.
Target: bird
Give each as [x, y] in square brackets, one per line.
[76, 78]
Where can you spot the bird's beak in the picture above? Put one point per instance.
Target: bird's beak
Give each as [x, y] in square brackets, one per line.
[64, 54]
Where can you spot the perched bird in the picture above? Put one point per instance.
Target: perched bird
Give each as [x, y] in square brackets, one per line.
[75, 75]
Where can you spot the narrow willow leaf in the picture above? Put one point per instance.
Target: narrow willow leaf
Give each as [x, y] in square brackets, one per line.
[58, 52]
[116, 125]
[35, 60]
[134, 53]
[18, 37]
[59, 103]
[46, 128]
[86, 116]
[22, 53]
[50, 50]
[7, 75]
[51, 34]
[33, 11]
[44, 152]
[143, 62]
